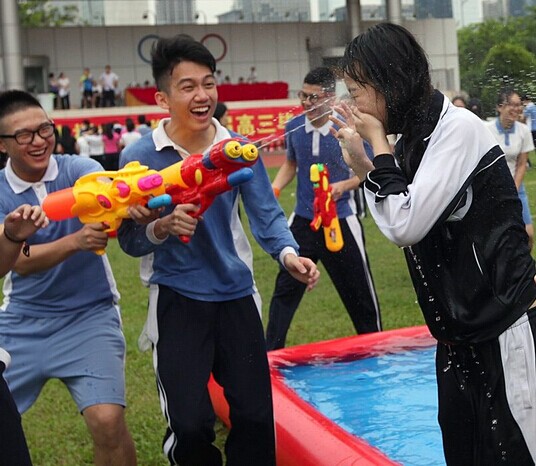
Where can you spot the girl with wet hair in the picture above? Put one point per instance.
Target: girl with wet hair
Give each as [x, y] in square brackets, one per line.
[446, 196]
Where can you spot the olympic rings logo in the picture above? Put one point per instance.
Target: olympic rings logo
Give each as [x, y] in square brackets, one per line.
[214, 42]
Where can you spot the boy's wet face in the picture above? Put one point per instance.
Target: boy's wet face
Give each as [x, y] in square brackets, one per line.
[29, 161]
[315, 101]
[191, 95]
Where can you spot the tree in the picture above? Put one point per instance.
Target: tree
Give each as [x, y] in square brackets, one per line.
[40, 13]
[496, 53]
[507, 65]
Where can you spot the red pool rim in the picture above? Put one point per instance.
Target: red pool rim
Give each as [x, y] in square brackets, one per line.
[305, 437]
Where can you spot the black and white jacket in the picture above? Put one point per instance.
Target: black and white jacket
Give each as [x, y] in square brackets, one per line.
[447, 197]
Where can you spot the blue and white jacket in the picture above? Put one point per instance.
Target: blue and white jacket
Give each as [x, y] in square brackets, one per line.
[216, 264]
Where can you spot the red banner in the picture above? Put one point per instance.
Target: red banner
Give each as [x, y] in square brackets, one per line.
[226, 92]
[263, 124]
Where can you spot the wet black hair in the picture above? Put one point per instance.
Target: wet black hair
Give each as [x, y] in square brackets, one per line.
[388, 58]
[321, 76]
[169, 52]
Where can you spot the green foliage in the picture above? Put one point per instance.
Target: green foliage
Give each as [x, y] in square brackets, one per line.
[496, 53]
[507, 65]
[40, 13]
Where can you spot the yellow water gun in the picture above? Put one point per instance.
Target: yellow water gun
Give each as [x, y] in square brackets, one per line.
[105, 196]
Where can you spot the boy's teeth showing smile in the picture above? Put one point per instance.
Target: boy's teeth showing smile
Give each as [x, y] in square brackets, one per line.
[37, 153]
[201, 111]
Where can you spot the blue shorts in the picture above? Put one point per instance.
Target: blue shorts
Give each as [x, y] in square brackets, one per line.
[527, 217]
[85, 350]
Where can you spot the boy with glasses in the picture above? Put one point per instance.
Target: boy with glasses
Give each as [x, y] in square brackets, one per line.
[51, 325]
[309, 141]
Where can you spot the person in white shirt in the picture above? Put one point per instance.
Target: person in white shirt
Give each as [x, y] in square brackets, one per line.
[130, 135]
[83, 144]
[109, 82]
[64, 90]
[516, 142]
[95, 144]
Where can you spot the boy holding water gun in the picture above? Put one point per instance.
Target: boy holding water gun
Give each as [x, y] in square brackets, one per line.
[60, 317]
[309, 142]
[202, 316]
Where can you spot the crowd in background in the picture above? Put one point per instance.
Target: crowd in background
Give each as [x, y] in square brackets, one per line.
[102, 143]
[103, 91]
[514, 128]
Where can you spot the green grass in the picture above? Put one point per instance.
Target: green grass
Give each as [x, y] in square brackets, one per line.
[56, 432]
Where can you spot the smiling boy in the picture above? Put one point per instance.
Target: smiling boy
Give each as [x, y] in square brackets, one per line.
[51, 325]
[203, 318]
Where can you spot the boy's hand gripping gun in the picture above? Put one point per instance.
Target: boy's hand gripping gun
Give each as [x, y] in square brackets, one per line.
[105, 196]
[325, 208]
[202, 177]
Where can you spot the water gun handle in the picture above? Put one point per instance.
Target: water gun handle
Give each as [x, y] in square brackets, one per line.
[333, 235]
[162, 201]
[325, 209]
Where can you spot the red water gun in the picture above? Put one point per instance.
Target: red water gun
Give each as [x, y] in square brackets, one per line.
[105, 196]
[325, 208]
[203, 177]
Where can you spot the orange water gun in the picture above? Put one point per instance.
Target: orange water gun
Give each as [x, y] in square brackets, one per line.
[325, 208]
[105, 196]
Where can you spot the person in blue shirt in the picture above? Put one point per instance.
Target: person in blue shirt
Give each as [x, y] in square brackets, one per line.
[17, 227]
[308, 141]
[202, 315]
[60, 317]
[529, 111]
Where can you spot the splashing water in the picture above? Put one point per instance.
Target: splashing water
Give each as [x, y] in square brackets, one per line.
[267, 141]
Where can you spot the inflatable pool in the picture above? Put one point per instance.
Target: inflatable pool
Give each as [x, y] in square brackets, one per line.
[306, 435]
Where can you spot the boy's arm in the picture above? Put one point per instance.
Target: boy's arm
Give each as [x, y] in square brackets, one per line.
[284, 176]
[91, 237]
[302, 269]
[267, 220]
[144, 233]
[17, 227]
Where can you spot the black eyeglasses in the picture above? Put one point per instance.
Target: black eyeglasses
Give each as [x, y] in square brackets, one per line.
[304, 97]
[25, 136]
